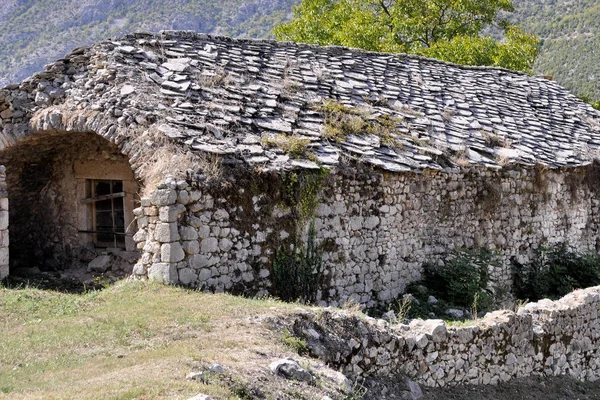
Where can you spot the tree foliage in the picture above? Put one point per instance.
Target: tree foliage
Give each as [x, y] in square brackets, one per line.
[445, 29]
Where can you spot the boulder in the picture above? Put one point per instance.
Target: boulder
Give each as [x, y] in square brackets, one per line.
[290, 369]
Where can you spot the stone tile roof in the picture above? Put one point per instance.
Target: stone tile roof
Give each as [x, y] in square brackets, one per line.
[279, 105]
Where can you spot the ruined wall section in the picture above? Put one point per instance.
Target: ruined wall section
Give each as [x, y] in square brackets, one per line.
[380, 229]
[214, 240]
[374, 230]
[548, 338]
[4, 259]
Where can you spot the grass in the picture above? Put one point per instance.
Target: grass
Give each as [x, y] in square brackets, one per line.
[132, 340]
[341, 121]
[295, 147]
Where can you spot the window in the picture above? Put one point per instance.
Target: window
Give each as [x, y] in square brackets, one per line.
[105, 198]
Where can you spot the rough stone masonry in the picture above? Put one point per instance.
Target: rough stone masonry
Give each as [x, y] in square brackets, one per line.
[4, 268]
[547, 338]
[415, 157]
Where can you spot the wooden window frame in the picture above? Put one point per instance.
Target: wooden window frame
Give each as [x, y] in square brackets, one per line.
[91, 202]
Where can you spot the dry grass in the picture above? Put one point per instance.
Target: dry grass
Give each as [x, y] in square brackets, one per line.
[138, 340]
[220, 77]
[295, 147]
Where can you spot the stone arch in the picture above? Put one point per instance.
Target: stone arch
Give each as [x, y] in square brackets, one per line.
[64, 182]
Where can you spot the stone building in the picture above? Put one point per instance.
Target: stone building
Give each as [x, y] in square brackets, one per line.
[196, 160]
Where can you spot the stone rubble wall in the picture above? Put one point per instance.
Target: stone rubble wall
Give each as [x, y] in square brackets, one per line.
[375, 230]
[3, 224]
[189, 237]
[384, 227]
[546, 338]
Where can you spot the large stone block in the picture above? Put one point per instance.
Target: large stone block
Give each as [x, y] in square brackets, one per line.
[4, 256]
[3, 220]
[199, 261]
[191, 247]
[4, 241]
[163, 197]
[209, 245]
[170, 213]
[100, 264]
[188, 233]
[163, 272]
[3, 271]
[171, 252]
[166, 232]
[187, 276]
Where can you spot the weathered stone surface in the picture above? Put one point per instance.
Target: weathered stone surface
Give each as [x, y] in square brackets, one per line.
[163, 197]
[3, 220]
[191, 247]
[171, 252]
[187, 276]
[290, 369]
[99, 264]
[163, 272]
[209, 245]
[170, 213]
[166, 232]
[188, 233]
[3, 271]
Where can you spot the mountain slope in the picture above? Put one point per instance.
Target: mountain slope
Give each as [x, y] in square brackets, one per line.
[570, 30]
[35, 32]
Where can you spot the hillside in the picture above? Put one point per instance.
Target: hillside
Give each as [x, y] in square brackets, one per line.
[35, 32]
[570, 30]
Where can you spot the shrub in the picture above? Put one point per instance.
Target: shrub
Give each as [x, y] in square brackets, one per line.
[297, 270]
[462, 278]
[554, 272]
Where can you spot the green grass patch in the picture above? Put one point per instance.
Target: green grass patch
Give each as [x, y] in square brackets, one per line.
[132, 340]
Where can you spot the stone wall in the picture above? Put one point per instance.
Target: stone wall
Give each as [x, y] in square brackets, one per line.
[375, 230]
[3, 224]
[547, 338]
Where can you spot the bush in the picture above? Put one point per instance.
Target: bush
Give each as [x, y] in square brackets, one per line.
[462, 278]
[297, 271]
[554, 272]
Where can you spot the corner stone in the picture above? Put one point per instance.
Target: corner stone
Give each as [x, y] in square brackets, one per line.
[171, 252]
[166, 232]
[163, 272]
[4, 256]
[163, 197]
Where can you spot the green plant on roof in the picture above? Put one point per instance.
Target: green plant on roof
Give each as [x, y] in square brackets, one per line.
[341, 121]
[294, 146]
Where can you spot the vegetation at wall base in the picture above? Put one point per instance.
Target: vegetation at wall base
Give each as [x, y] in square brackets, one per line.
[462, 277]
[555, 271]
[461, 284]
[298, 270]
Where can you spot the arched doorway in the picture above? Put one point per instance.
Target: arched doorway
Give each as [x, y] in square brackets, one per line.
[71, 199]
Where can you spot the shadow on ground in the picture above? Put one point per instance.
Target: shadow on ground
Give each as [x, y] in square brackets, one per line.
[56, 281]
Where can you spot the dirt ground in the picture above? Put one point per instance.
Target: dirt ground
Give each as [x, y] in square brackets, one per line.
[533, 388]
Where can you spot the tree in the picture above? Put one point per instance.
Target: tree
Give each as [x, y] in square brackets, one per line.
[450, 30]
